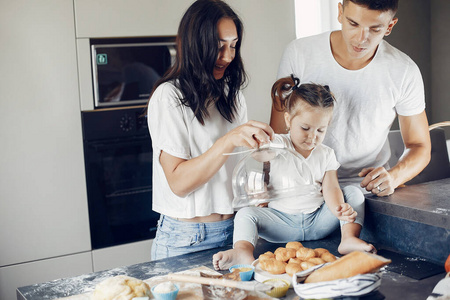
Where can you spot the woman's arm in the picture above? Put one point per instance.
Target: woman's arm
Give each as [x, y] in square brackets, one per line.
[334, 198]
[184, 176]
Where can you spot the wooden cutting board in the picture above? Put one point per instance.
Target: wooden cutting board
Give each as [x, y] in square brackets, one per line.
[191, 291]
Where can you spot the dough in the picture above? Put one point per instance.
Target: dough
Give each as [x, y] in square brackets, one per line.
[120, 287]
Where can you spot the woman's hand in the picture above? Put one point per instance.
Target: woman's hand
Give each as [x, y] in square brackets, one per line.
[345, 212]
[251, 135]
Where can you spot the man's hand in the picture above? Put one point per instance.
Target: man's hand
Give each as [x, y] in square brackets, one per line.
[378, 181]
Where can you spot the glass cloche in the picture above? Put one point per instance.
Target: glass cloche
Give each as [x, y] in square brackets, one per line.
[270, 173]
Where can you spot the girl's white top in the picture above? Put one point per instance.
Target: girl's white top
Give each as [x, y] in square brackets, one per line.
[175, 130]
[321, 160]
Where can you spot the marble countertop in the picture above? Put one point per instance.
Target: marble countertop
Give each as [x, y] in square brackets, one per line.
[427, 203]
[393, 285]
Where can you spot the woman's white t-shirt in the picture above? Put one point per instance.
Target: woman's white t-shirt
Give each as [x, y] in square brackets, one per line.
[321, 160]
[175, 130]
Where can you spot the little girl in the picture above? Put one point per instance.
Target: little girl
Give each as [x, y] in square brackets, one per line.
[308, 109]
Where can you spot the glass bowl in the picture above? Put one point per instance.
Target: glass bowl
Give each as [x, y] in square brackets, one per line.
[270, 173]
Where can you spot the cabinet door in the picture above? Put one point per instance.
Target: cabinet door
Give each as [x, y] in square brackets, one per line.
[43, 206]
[26, 274]
[123, 255]
[113, 18]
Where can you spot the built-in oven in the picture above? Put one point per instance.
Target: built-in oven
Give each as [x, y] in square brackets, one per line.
[117, 144]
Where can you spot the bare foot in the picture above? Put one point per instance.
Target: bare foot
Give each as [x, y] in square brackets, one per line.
[223, 260]
[352, 243]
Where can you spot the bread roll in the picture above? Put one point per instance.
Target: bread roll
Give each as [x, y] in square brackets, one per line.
[294, 245]
[292, 268]
[273, 266]
[328, 257]
[306, 265]
[316, 260]
[352, 264]
[285, 254]
[295, 260]
[266, 255]
[320, 251]
[305, 253]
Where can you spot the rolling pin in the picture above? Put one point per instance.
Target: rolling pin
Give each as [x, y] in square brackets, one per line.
[243, 285]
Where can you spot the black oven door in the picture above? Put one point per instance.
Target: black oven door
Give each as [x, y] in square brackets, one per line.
[119, 185]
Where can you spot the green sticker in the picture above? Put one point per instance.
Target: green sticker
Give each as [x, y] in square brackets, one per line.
[102, 59]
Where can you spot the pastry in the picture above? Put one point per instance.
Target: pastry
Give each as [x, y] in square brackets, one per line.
[266, 255]
[320, 251]
[295, 260]
[328, 257]
[285, 254]
[352, 264]
[316, 260]
[292, 268]
[294, 245]
[273, 266]
[305, 253]
[306, 265]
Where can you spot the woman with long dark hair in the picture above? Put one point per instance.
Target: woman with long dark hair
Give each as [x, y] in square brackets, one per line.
[196, 114]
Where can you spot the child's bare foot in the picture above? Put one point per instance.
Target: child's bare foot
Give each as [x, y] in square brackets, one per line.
[352, 243]
[225, 259]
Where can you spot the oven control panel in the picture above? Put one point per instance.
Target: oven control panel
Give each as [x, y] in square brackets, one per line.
[114, 123]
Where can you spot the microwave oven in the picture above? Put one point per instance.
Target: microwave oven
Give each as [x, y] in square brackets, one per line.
[124, 70]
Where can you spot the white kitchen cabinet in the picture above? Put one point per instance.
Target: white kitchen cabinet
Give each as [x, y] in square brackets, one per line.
[123, 255]
[15, 276]
[43, 204]
[119, 18]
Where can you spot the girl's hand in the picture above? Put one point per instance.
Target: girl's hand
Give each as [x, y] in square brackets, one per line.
[345, 212]
[251, 135]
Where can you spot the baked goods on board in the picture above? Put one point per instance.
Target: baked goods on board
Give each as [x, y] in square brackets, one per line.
[293, 258]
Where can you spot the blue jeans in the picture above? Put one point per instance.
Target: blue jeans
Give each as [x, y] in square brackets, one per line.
[278, 227]
[176, 237]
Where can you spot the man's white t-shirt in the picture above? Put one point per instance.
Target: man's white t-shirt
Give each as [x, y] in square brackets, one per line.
[175, 130]
[367, 100]
[321, 160]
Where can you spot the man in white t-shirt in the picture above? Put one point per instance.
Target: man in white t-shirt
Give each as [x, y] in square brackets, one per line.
[373, 82]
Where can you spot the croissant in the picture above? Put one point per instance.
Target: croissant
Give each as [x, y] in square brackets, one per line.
[273, 266]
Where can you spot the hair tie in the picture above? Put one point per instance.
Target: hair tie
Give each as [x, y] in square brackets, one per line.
[296, 82]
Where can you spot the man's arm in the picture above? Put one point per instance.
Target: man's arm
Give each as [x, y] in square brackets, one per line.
[415, 158]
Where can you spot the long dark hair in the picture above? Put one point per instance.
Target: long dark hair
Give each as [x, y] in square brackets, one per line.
[197, 53]
[287, 92]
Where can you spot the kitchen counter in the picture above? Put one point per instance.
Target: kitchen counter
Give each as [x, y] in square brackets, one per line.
[393, 285]
[414, 221]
